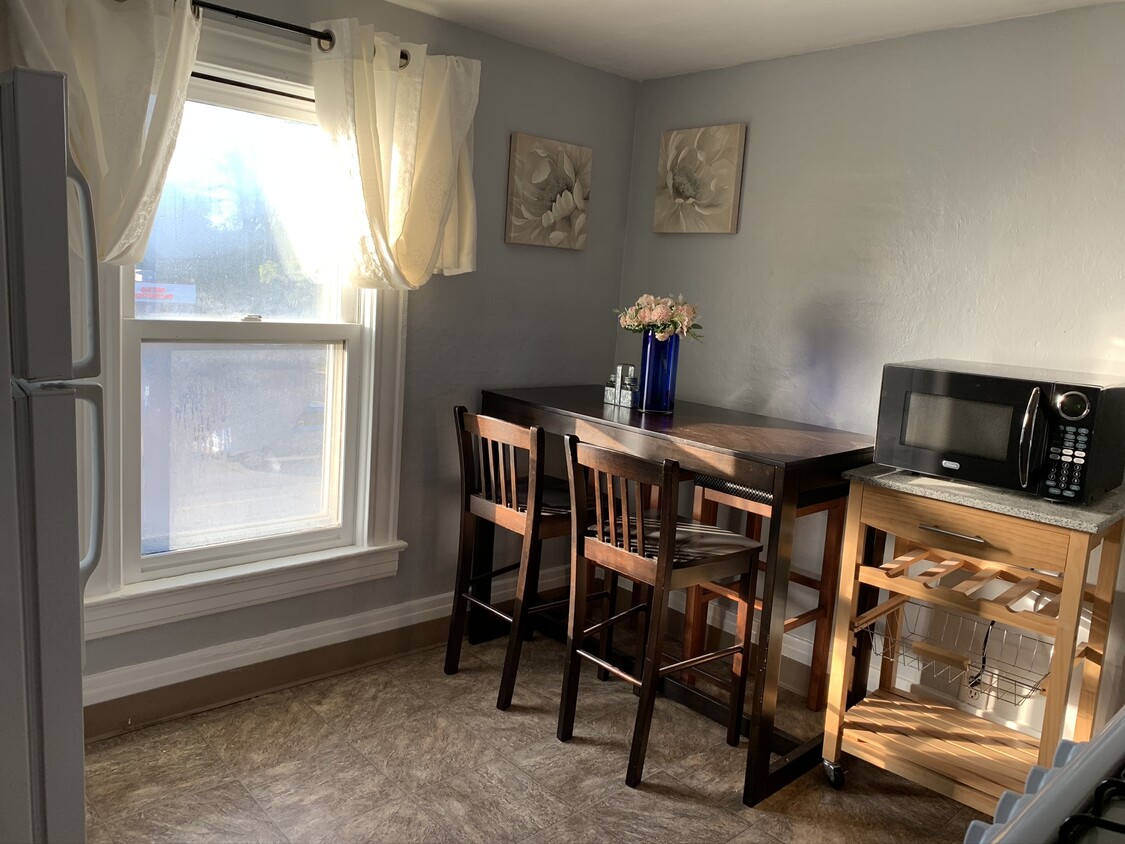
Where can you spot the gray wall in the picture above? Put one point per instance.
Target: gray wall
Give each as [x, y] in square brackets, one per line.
[513, 321]
[954, 194]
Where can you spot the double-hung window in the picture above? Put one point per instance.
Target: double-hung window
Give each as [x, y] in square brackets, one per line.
[246, 358]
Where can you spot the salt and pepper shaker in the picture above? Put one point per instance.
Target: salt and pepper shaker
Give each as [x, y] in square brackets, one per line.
[621, 388]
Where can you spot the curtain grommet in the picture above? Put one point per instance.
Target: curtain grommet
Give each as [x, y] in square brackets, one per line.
[331, 39]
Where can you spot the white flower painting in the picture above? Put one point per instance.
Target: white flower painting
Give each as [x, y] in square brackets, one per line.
[548, 192]
[699, 179]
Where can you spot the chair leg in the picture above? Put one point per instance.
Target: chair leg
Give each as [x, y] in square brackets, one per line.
[575, 636]
[642, 594]
[459, 616]
[650, 678]
[527, 587]
[741, 665]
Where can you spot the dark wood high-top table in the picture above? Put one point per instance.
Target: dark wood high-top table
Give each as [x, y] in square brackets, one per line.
[791, 463]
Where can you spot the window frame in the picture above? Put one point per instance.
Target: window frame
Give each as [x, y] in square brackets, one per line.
[367, 549]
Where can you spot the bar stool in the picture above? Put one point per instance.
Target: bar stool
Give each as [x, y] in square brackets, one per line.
[711, 492]
[503, 483]
[653, 550]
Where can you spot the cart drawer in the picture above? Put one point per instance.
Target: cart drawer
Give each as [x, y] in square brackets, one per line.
[966, 531]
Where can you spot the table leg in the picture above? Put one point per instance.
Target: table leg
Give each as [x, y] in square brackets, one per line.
[829, 581]
[761, 781]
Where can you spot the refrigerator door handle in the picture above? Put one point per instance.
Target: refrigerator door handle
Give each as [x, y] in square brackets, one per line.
[90, 364]
[91, 394]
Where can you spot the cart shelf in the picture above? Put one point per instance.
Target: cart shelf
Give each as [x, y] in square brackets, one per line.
[969, 758]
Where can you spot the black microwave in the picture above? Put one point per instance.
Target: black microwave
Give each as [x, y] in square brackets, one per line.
[1058, 435]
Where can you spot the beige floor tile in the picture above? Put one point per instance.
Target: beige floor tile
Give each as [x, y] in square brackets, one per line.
[675, 732]
[92, 817]
[306, 795]
[265, 731]
[530, 719]
[661, 809]
[425, 750]
[810, 810]
[395, 822]
[757, 835]
[357, 703]
[425, 673]
[223, 813]
[579, 772]
[129, 772]
[494, 803]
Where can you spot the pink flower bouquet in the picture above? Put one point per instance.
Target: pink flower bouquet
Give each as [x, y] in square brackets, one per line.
[664, 316]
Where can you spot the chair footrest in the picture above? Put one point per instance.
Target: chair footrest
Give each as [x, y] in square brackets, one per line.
[609, 622]
[488, 575]
[610, 667]
[691, 662]
[484, 605]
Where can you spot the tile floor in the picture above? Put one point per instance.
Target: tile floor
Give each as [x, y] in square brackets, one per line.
[400, 752]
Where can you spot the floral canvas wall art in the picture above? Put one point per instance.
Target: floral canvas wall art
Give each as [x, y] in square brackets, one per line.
[548, 192]
[699, 179]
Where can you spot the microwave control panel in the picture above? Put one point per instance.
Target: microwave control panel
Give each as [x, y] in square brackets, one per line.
[1066, 460]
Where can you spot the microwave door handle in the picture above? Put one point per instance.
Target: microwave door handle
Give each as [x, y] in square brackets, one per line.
[89, 365]
[1027, 436]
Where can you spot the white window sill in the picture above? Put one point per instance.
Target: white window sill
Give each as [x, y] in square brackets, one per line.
[156, 602]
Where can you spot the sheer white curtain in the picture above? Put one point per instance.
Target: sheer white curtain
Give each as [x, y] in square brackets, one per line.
[404, 136]
[127, 66]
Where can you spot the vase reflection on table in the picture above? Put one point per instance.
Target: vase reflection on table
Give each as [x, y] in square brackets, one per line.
[656, 389]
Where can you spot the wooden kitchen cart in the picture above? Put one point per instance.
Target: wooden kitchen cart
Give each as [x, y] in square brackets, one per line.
[979, 610]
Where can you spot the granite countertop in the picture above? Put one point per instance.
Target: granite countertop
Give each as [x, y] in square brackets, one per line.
[1093, 518]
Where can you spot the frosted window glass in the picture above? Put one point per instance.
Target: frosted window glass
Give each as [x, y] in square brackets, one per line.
[236, 442]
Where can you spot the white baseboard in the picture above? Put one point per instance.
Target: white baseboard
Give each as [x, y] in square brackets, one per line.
[133, 679]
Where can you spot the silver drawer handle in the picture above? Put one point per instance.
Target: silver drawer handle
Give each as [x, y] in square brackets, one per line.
[966, 537]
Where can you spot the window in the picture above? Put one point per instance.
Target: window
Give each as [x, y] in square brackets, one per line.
[242, 353]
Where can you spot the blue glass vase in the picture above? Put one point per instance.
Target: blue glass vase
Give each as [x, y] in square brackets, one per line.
[657, 384]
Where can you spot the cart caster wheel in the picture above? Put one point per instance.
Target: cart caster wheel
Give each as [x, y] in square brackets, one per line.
[834, 773]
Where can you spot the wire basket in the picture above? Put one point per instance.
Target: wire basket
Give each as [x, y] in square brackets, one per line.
[986, 659]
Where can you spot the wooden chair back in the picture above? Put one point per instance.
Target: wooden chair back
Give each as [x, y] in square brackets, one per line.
[621, 487]
[501, 471]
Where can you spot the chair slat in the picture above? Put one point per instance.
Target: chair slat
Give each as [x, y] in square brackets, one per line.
[513, 482]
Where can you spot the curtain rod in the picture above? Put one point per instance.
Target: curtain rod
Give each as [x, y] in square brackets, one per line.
[235, 83]
[319, 34]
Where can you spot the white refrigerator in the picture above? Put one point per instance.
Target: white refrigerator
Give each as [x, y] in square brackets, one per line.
[43, 569]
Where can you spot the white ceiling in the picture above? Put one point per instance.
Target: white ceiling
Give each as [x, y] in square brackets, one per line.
[648, 39]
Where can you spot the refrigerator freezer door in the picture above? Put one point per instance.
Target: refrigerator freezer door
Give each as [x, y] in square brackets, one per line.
[42, 576]
[34, 159]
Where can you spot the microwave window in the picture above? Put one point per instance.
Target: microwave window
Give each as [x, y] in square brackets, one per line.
[949, 425]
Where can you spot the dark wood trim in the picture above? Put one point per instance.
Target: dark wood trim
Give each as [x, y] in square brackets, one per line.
[144, 709]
